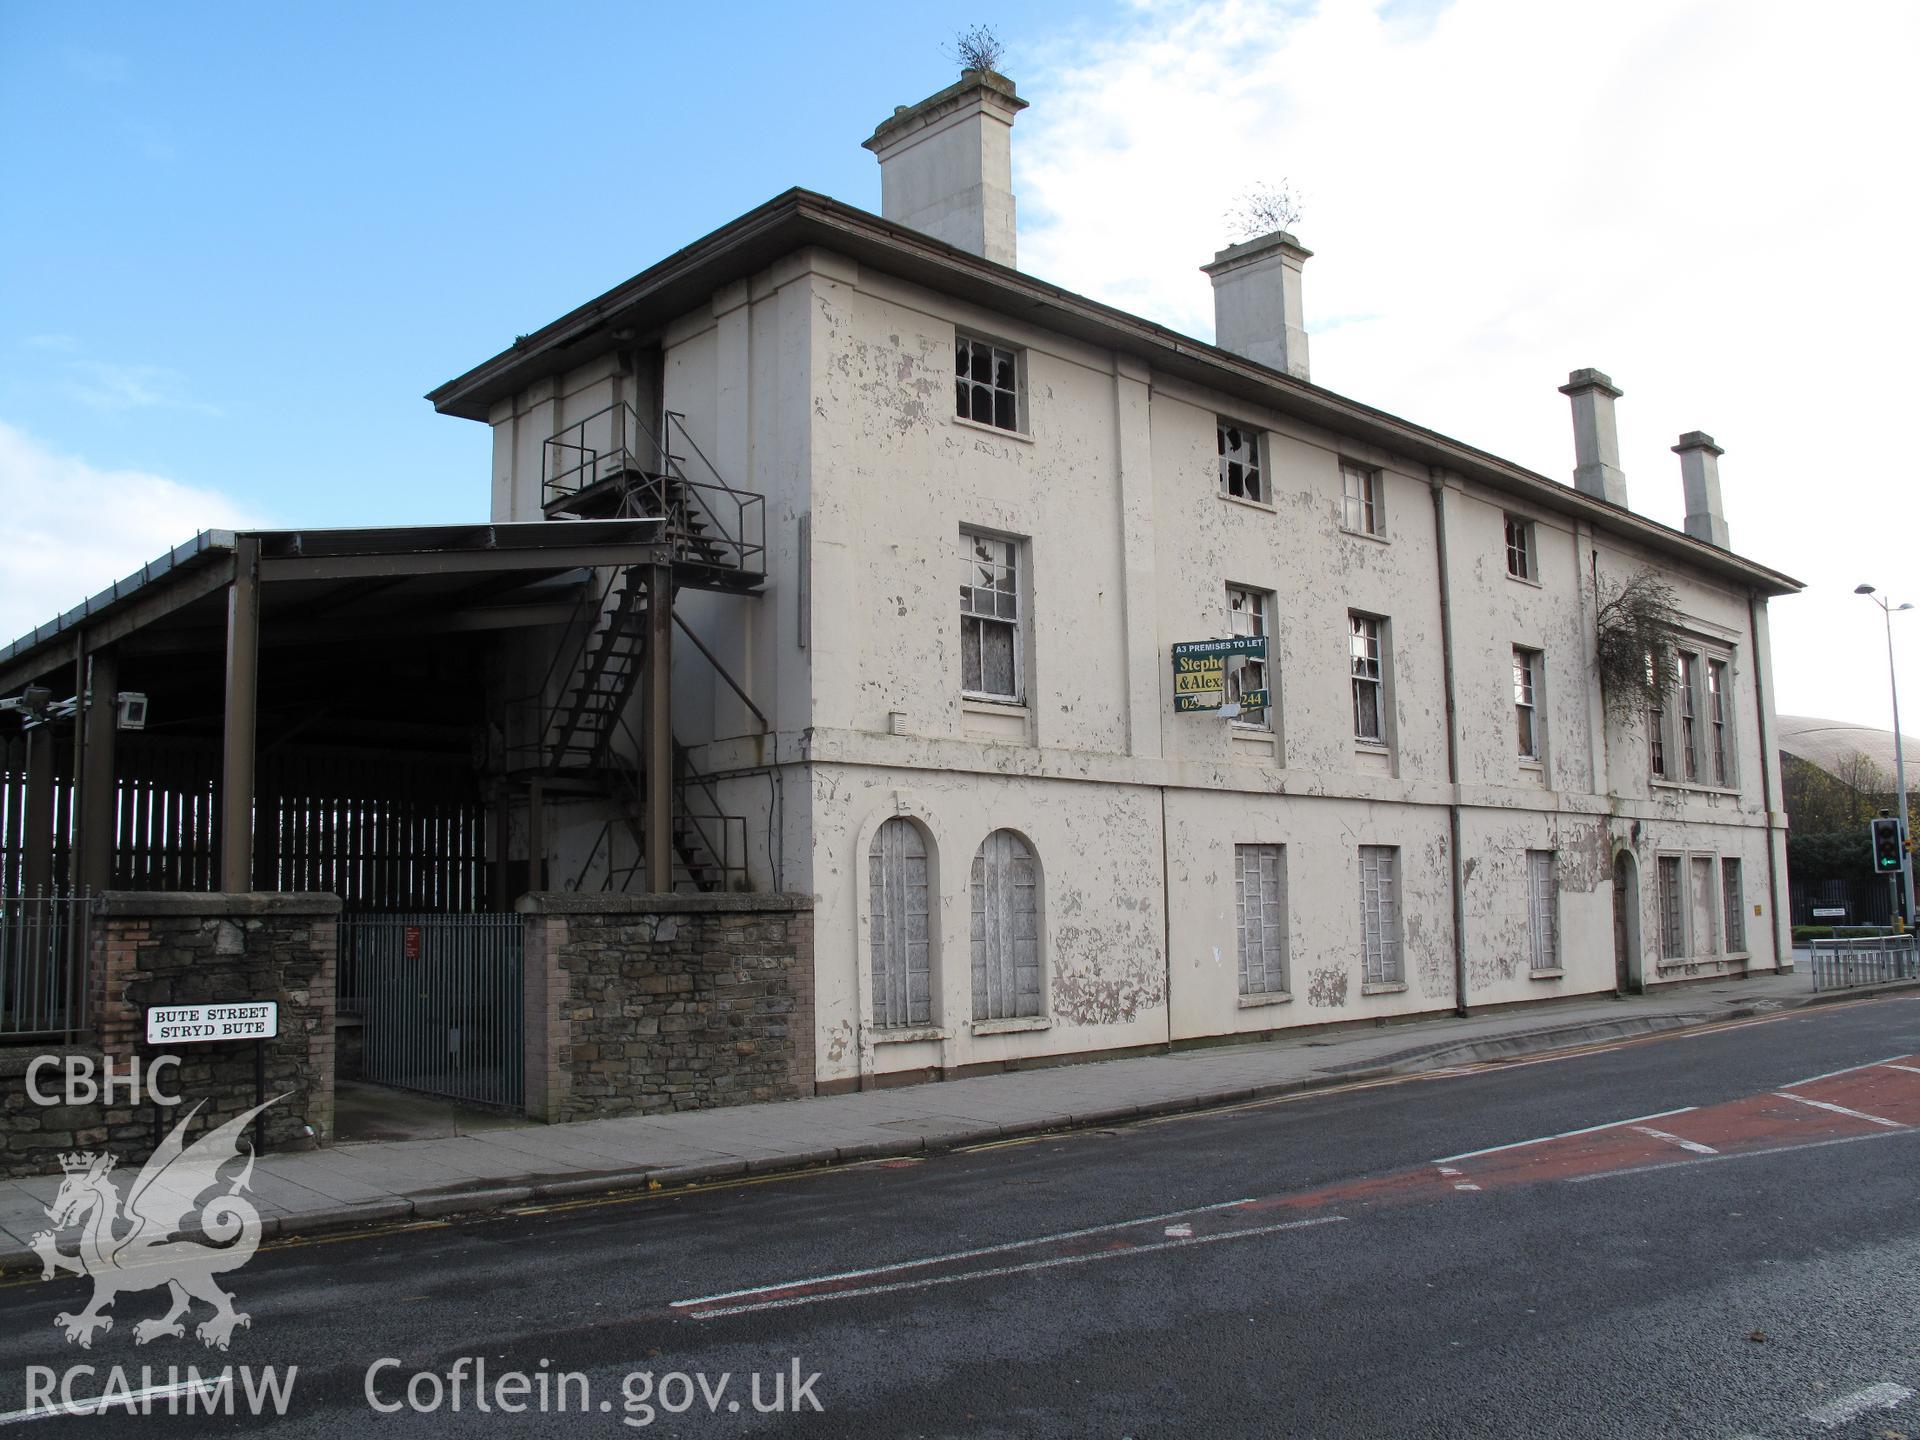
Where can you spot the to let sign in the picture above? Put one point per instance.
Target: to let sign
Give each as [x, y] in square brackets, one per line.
[194, 1024]
[1200, 673]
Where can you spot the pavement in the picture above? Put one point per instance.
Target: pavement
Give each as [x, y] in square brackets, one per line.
[352, 1184]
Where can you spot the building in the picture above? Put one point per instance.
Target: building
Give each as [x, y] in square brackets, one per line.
[992, 508]
[834, 558]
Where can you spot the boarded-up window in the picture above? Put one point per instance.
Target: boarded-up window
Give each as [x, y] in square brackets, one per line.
[1260, 901]
[1380, 915]
[1705, 898]
[1734, 896]
[1543, 911]
[1006, 929]
[902, 956]
[1673, 920]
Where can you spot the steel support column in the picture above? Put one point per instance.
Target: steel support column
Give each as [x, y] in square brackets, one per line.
[656, 730]
[36, 832]
[243, 692]
[94, 836]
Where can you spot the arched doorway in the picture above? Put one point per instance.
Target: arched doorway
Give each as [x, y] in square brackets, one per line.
[1628, 976]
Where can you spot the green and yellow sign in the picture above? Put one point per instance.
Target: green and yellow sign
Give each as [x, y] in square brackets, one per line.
[1200, 673]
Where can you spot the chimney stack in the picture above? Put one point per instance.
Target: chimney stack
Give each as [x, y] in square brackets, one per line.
[1700, 474]
[1257, 310]
[1596, 443]
[946, 165]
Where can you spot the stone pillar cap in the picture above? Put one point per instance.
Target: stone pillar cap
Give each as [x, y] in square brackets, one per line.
[1696, 440]
[1589, 379]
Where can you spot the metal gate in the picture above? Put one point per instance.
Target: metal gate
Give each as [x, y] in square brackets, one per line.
[438, 1000]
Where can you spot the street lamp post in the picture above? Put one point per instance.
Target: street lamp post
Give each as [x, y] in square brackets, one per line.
[1887, 612]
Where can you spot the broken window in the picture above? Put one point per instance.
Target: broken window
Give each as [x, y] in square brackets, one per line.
[989, 617]
[1526, 684]
[1360, 499]
[902, 945]
[1368, 679]
[1543, 911]
[1719, 719]
[1240, 474]
[1656, 730]
[986, 384]
[1260, 905]
[1380, 915]
[1247, 677]
[1673, 922]
[1005, 928]
[1520, 548]
[1734, 902]
[1686, 682]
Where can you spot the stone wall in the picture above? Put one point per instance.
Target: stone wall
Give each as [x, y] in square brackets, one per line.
[176, 949]
[641, 1004]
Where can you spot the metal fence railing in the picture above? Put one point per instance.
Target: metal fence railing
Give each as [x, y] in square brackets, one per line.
[1864, 960]
[438, 998]
[43, 959]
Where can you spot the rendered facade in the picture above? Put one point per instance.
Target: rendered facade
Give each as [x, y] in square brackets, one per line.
[991, 509]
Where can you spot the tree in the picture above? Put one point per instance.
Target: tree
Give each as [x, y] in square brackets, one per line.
[978, 49]
[1635, 623]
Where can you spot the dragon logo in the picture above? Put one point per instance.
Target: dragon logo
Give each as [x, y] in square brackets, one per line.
[139, 1247]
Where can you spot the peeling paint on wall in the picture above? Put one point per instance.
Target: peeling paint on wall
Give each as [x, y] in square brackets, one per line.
[1327, 988]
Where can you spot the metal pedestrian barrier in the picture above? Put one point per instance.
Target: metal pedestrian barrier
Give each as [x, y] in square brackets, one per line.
[1864, 960]
[439, 1002]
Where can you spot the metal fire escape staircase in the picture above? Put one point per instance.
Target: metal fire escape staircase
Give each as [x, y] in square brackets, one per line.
[611, 466]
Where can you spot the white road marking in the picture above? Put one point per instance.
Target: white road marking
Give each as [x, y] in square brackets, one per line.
[1464, 1186]
[1842, 1110]
[1694, 1145]
[1179, 1232]
[1850, 1070]
[1889, 1065]
[1563, 1135]
[965, 1254]
[1448, 1170]
[130, 1401]
[1884, 1396]
[1901, 1133]
[928, 1282]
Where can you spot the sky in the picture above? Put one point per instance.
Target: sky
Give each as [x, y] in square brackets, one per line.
[239, 242]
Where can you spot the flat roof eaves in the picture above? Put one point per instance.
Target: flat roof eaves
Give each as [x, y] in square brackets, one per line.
[799, 218]
[197, 551]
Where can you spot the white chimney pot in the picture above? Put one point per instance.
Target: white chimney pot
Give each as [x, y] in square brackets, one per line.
[1258, 311]
[946, 165]
[1596, 441]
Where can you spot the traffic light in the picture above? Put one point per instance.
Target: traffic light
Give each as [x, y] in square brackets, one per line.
[1886, 845]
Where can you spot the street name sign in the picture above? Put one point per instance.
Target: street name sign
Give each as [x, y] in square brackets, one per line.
[193, 1024]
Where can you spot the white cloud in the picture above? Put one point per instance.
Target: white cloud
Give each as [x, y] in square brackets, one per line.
[1702, 199]
[72, 528]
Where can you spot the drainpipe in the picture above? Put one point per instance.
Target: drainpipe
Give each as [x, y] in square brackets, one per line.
[1439, 488]
[1766, 784]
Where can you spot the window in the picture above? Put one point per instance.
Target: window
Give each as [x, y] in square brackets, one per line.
[1247, 677]
[1686, 680]
[1380, 916]
[1673, 922]
[1368, 680]
[1719, 718]
[1360, 499]
[1520, 549]
[1656, 728]
[990, 617]
[1240, 473]
[902, 949]
[986, 384]
[1733, 901]
[1005, 929]
[1543, 911]
[1526, 686]
[1260, 904]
